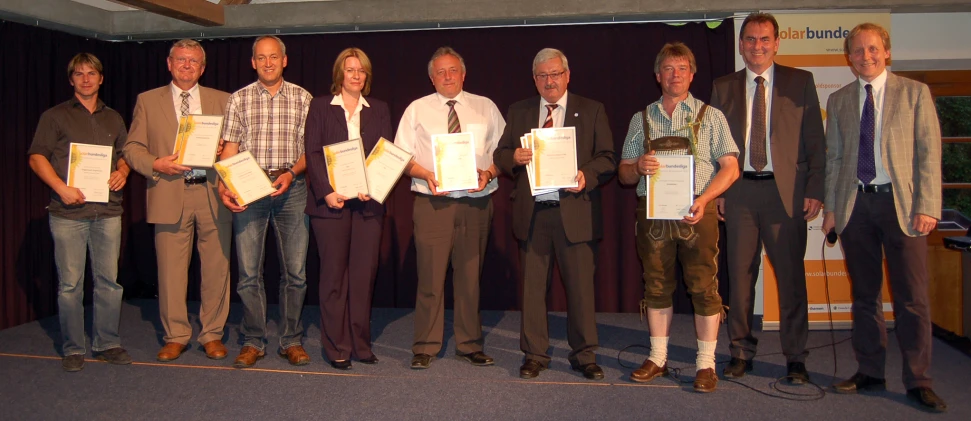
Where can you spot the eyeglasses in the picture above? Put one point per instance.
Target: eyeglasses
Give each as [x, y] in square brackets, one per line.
[554, 76]
[182, 60]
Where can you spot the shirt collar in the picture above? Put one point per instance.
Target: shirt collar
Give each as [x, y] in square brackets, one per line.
[689, 102]
[75, 102]
[561, 103]
[283, 91]
[878, 83]
[768, 75]
[460, 98]
[339, 100]
[193, 91]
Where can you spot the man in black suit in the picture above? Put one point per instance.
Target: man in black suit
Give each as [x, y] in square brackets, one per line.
[773, 112]
[565, 223]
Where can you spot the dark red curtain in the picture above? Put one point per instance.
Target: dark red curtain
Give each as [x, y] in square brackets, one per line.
[610, 63]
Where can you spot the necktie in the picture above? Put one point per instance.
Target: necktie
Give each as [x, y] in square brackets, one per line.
[757, 155]
[453, 119]
[866, 169]
[184, 108]
[549, 116]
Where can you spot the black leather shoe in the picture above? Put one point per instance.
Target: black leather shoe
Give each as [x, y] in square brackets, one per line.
[341, 364]
[926, 399]
[421, 361]
[477, 358]
[531, 369]
[591, 371]
[737, 368]
[370, 360]
[860, 383]
[797, 374]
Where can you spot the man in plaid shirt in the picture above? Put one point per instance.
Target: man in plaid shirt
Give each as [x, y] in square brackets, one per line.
[694, 239]
[267, 119]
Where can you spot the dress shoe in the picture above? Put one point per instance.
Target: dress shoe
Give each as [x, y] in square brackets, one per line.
[531, 369]
[72, 363]
[215, 350]
[114, 356]
[170, 351]
[296, 355]
[926, 399]
[737, 368]
[247, 357]
[705, 381]
[370, 360]
[797, 374]
[341, 364]
[477, 358]
[421, 361]
[591, 371]
[860, 383]
[648, 371]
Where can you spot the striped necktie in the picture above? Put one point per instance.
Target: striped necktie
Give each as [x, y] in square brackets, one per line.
[549, 116]
[453, 119]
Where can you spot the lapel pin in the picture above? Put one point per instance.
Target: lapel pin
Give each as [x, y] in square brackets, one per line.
[576, 114]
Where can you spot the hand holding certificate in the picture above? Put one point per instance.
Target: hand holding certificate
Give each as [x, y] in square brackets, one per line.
[89, 170]
[244, 177]
[524, 142]
[385, 165]
[671, 190]
[197, 140]
[554, 157]
[345, 167]
[454, 158]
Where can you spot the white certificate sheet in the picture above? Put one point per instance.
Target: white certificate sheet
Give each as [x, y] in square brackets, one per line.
[197, 140]
[385, 165]
[89, 169]
[244, 177]
[555, 157]
[345, 168]
[524, 142]
[454, 158]
[671, 191]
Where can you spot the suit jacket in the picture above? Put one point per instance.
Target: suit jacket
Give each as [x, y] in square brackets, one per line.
[326, 125]
[152, 135]
[910, 150]
[796, 132]
[595, 157]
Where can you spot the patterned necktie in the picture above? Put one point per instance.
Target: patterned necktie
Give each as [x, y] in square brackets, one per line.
[549, 115]
[757, 140]
[866, 169]
[453, 119]
[184, 109]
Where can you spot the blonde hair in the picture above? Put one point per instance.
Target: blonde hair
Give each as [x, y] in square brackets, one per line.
[338, 83]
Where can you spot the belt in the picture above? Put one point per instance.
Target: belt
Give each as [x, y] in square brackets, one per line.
[273, 174]
[758, 175]
[194, 180]
[875, 188]
[548, 203]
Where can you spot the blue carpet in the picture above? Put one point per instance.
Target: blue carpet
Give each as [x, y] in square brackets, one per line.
[195, 387]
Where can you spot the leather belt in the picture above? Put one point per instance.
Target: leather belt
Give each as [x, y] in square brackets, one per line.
[758, 175]
[273, 174]
[875, 188]
[548, 203]
[194, 180]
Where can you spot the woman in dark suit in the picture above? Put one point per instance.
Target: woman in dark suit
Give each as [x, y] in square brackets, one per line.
[347, 229]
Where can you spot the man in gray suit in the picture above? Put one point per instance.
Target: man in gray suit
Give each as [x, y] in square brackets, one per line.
[773, 111]
[883, 191]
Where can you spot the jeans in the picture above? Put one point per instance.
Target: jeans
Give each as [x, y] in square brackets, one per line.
[72, 240]
[291, 225]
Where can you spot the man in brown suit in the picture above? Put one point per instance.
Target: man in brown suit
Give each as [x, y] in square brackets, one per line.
[183, 201]
[773, 111]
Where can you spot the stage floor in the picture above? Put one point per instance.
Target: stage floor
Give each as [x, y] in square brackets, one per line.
[195, 387]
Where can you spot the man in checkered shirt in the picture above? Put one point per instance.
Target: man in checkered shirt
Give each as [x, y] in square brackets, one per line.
[694, 239]
[267, 119]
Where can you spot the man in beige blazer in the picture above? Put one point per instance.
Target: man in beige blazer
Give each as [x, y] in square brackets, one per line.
[183, 201]
[883, 195]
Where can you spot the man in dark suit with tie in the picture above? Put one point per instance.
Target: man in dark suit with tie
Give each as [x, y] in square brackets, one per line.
[773, 111]
[883, 196]
[564, 224]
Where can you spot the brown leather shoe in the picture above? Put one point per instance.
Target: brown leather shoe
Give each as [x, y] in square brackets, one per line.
[170, 351]
[247, 357]
[215, 349]
[648, 371]
[296, 355]
[705, 381]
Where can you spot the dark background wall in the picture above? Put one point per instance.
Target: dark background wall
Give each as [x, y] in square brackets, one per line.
[610, 63]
